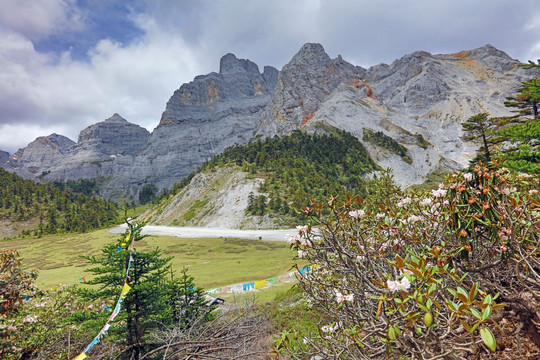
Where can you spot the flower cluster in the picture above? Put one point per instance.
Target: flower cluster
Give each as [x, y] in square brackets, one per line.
[404, 284]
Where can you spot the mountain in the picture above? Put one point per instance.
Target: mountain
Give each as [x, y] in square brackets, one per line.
[407, 114]
[41, 154]
[419, 101]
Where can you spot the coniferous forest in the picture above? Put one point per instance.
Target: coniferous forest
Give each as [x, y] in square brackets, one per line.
[56, 211]
[298, 169]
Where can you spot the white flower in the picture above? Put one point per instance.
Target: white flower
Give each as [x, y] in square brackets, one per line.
[415, 218]
[381, 215]
[404, 202]
[404, 284]
[506, 191]
[327, 329]
[356, 213]
[533, 192]
[467, 176]
[341, 298]
[349, 298]
[438, 193]
[425, 202]
[292, 238]
[30, 319]
[301, 254]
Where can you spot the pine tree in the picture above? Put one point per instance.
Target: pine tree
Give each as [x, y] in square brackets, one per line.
[146, 305]
[480, 127]
[188, 303]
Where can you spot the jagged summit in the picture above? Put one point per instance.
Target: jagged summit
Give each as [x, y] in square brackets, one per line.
[116, 118]
[310, 53]
[112, 136]
[229, 63]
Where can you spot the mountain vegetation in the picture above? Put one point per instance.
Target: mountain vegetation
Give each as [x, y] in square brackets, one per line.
[297, 169]
[55, 211]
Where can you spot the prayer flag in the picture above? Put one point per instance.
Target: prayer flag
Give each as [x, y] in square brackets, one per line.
[260, 284]
[81, 356]
[125, 290]
[273, 280]
[248, 286]
[236, 288]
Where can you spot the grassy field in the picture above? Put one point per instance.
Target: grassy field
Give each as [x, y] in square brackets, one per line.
[213, 262]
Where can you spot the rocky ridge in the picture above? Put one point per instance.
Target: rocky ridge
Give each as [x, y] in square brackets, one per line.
[418, 100]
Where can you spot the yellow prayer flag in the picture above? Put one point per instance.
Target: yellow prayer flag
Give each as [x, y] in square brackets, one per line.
[260, 284]
[81, 356]
[125, 290]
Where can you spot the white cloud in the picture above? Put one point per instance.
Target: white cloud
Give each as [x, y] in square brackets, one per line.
[37, 19]
[64, 97]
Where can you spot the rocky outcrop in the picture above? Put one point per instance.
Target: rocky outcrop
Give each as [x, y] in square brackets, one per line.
[419, 100]
[302, 85]
[4, 157]
[114, 136]
[204, 117]
[41, 154]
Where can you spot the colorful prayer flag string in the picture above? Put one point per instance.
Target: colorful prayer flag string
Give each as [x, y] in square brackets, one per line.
[123, 293]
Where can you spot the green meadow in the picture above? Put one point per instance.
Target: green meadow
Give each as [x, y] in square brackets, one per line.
[213, 262]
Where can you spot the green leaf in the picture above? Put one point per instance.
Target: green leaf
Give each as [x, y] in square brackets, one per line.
[486, 313]
[488, 338]
[476, 313]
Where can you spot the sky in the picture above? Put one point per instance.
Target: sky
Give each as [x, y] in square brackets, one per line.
[67, 64]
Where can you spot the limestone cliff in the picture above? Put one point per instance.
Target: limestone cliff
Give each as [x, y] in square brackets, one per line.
[419, 100]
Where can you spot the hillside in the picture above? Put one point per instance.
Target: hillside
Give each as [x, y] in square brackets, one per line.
[263, 183]
[29, 208]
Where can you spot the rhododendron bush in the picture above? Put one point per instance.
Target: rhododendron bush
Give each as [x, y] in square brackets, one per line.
[421, 275]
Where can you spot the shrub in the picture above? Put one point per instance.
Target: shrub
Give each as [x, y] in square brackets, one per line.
[420, 276]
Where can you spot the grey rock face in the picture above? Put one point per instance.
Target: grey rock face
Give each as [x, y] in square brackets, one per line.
[41, 154]
[114, 136]
[4, 157]
[94, 155]
[418, 96]
[302, 85]
[204, 117]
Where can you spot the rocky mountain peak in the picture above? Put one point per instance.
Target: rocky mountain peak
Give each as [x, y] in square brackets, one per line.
[488, 50]
[229, 63]
[41, 153]
[116, 118]
[311, 53]
[302, 86]
[113, 136]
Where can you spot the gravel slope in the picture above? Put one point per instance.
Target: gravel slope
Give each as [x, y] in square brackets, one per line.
[192, 232]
